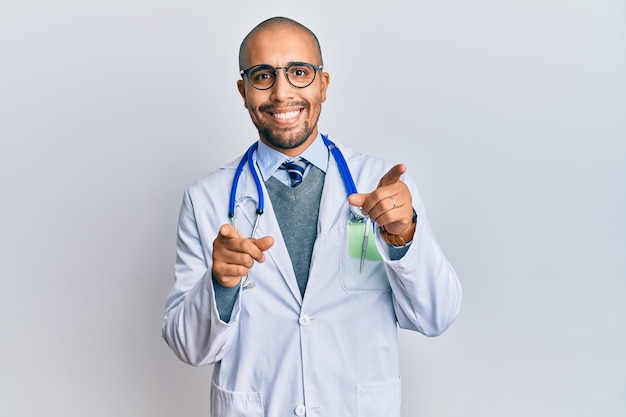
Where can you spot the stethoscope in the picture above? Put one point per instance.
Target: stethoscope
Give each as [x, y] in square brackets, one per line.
[344, 171]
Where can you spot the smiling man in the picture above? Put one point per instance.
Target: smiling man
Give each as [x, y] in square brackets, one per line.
[287, 279]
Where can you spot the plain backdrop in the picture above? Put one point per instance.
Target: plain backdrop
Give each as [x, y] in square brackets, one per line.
[511, 116]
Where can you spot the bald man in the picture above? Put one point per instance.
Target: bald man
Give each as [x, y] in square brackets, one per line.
[297, 302]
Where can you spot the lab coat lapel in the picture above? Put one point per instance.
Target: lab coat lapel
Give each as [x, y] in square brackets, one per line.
[334, 198]
[268, 226]
[333, 211]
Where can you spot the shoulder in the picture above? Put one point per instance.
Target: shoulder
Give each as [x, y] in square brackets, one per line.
[367, 170]
[360, 162]
[214, 182]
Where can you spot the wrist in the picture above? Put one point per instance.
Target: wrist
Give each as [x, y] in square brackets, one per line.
[400, 239]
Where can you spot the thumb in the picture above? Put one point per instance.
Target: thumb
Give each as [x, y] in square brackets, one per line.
[229, 231]
[263, 243]
[357, 199]
[393, 175]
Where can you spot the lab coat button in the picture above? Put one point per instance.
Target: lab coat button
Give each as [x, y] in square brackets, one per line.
[304, 320]
[300, 410]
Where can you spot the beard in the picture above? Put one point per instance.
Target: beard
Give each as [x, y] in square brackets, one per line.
[288, 138]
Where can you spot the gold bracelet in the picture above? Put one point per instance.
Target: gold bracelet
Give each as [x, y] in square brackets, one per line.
[398, 240]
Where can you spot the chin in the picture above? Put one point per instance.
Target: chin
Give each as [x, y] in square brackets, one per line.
[286, 140]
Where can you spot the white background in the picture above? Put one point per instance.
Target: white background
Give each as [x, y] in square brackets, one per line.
[511, 116]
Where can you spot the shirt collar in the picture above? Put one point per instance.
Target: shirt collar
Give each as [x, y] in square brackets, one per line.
[269, 159]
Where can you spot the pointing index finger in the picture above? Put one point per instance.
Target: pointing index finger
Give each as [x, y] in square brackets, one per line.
[393, 175]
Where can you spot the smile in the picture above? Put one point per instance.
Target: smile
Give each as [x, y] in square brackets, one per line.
[286, 115]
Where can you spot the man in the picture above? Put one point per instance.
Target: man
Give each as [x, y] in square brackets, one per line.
[311, 328]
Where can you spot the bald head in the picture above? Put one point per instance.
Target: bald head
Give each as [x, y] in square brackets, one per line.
[275, 23]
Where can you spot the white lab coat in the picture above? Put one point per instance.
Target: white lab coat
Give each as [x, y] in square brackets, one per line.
[333, 353]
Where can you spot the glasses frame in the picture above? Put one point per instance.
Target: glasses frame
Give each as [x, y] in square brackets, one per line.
[246, 72]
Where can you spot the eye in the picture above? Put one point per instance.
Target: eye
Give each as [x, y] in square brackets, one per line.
[262, 75]
[300, 71]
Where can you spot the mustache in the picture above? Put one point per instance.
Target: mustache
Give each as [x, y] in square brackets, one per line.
[272, 108]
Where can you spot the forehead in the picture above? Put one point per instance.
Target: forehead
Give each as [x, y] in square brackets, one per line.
[280, 46]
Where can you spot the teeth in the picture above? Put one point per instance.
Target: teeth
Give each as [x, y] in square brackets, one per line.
[287, 115]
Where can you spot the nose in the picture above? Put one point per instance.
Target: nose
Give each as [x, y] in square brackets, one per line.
[282, 89]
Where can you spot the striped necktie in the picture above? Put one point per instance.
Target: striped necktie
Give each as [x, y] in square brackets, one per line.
[295, 169]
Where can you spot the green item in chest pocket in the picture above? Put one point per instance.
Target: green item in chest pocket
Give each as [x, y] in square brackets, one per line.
[356, 232]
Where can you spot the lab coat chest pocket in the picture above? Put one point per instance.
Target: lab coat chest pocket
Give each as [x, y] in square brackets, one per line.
[372, 278]
[235, 404]
[379, 399]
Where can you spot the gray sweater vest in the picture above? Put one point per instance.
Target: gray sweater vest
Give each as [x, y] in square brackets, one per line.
[297, 211]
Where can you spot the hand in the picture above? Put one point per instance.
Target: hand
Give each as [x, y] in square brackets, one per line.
[234, 255]
[390, 204]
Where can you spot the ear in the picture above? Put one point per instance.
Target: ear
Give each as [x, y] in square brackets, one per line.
[325, 81]
[242, 90]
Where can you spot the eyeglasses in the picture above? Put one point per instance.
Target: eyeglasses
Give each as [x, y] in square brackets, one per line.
[299, 74]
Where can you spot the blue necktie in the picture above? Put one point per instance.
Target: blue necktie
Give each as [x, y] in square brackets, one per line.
[295, 169]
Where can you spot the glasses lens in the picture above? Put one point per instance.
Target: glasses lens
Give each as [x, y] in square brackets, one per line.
[301, 74]
[262, 76]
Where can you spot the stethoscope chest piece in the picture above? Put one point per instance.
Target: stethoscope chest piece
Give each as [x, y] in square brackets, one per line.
[356, 214]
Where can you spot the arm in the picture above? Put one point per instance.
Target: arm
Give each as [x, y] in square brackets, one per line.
[426, 291]
[192, 327]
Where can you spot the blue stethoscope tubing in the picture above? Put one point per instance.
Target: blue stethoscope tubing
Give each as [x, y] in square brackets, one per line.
[344, 171]
[342, 165]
